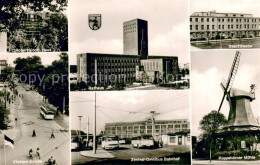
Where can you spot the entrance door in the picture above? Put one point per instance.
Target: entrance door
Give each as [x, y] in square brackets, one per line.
[179, 140]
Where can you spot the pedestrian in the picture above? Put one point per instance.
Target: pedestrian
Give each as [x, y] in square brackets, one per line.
[52, 135]
[38, 152]
[161, 143]
[34, 133]
[30, 153]
[51, 161]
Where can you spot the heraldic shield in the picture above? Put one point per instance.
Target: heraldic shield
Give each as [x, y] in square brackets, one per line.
[94, 21]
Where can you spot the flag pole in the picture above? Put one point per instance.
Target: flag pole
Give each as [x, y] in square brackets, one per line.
[4, 150]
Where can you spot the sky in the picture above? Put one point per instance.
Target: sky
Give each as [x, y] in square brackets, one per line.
[231, 6]
[46, 57]
[208, 69]
[168, 26]
[112, 107]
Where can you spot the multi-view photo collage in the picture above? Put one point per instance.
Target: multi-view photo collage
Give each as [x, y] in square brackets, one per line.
[129, 82]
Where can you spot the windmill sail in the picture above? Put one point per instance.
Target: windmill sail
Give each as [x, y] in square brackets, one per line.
[227, 86]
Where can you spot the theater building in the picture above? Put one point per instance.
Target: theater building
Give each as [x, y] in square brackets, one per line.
[213, 25]
[161, 129]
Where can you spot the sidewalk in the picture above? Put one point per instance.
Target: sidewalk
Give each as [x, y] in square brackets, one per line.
[100, 153]
[13, 132]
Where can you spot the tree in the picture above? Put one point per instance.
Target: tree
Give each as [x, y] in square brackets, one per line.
[56, 82]
[4, 120]
[209, 125]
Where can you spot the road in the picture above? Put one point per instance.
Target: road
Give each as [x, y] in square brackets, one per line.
[29, 119]
[126, 152]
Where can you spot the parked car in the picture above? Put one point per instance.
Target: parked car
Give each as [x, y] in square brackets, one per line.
[143, 141]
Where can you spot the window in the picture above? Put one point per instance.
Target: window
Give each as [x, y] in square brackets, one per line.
[237, 26]
[202, 27]
[219, 20]
[202, 19]
[196, 19]
[213, 27]
[197, 27]
[170, 126]
[212, 19]
[172, 139]
[228, 26]
[231, 26]
[190, 19]
[207, 27]
[207, 19]
[222, 19]
[231, 20]
[219, 26]
[190, 27]
[228, 20]
[222, 26]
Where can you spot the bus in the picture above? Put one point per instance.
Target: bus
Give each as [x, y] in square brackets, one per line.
[47, 114]
[143, 141]
[110, 142]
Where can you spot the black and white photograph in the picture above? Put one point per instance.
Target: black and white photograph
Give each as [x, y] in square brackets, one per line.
[130, 127]
[224, 24]
[33, 26]
[225, 107]
[34, 121]
[140, 45]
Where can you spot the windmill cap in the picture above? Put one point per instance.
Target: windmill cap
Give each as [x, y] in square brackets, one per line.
[240, 93]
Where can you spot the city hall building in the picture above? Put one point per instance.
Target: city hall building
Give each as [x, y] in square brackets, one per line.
[213, 25]
[104, 69]
[165, 130]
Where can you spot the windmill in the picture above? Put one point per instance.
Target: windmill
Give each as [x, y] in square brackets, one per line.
[228, 85]
[240, 113]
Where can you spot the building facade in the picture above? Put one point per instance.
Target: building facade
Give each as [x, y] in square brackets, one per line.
[135, 38]
[104, 69]
[213, 25]
[133, 129]
[3, 65]
[163, 67]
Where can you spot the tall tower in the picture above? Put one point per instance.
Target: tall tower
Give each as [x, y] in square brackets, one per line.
[135, 36]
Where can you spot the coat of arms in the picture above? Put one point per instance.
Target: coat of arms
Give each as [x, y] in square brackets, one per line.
[94, 21]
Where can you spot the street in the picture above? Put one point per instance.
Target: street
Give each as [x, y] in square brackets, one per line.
[126, 152]
[26, 109]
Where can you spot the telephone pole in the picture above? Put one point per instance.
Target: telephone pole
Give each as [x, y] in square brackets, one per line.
[87, 129]
[94, 134]
[79, 130]
[152, 112]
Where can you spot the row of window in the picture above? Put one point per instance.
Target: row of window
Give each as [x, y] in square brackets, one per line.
[147, 127]
[115, 60]
[130, 25]
[224, 20]
[202, 27]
